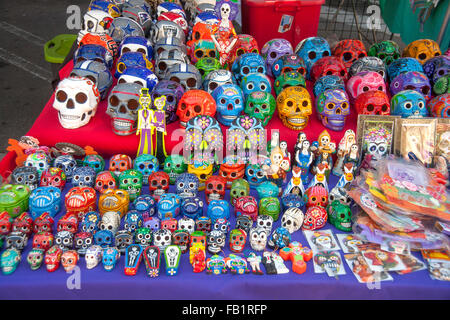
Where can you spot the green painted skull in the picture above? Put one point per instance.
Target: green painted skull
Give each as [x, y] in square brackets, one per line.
[206, 64]
[442, 85]
[143, 236]
[131, 181]
[289, 79]
[239, 188]
[35, 258]
[340, 215]
[14, 199]
[94, 161]
[260, 105]
[270, 206]
[387, 50]
[174, 166]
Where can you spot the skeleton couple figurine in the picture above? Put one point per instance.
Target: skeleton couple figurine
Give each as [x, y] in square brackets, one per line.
[280, 161]
[348, 152]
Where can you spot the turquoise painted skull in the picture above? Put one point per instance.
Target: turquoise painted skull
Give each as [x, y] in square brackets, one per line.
[94, 161]
[146, 164]
[174, 165]
[10, 260]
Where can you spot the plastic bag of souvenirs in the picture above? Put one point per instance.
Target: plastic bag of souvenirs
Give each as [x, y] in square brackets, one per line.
[409, 186]
[368, 230]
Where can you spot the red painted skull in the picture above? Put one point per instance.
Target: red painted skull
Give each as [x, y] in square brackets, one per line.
[317, 196]
[23, 223]
[231, 172]
[55, 177]
[69, 260]
[81, 200]
[237, 240]
[348, 51]
[104, 181]
[246, 206]
[43, 223]
[315, 218]
[119, 163]
[158, 184]
[193, 103]
[53, 258]
[245, 44]
[328, 66]
[43, 240]
[170, 224]
[373, 102]
[5, 223]
[68, 222]
[215, 188]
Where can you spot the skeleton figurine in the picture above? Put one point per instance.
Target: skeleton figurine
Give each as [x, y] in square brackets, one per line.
[255, 262]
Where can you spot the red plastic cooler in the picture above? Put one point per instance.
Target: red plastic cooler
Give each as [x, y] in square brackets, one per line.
[293, 20]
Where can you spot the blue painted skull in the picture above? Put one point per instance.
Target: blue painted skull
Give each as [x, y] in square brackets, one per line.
[153, 223]
[312, 49]
[110, 258]
[83, 177]
[289, 63]
[280, 238]
[45, 199]
[291, 200]
[412, 80]
[66, 163]
[267, 189]
[229, 103]
[222, 224]
[91, 222]
[169, 206]
[192, 207]
[145, 204]
[131, 59]
[409, 104]
[326, 83]
[403, 65]
[104, 238]
[255, 82]
[254, 175]
[248, 63]
[133, 220]
[187, 185]
[39, 160]
[9, 261]
[437, 67]
[218, 209]
[146, 164]
[28, 176]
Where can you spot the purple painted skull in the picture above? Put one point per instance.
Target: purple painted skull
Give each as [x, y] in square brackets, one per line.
[333, 107]
[412, 80]
[437, 67]
[273, 50]
[173, 92]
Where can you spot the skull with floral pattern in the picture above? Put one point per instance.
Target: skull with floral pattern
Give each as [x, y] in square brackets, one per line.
[279, 238]
[229, 102]
[255, 82]
[131, 181]
[254, 175]
[386, 50]
[273, 50]
[412, 80]
[146, 164]
[110, 257]
[260, 105]
[39, 160]
[187, 185]
[246, 64]
[119, 163]
[403, 65]
[333, 107]
[133, 220]
[363, 82]
[368, 64]
[94, 161]
[143, 236]
[326, 83]
[315, 218]
[82, 241]
[90, 222]
[9, 261]
[153, 223]
[206, 64]
[145, 205]
[422, 50]
[437, 67]
[294, 107]
[288, 63]
[174, 165]
[105, 180]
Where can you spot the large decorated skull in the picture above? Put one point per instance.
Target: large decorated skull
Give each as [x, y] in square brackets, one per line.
[292, 219]
[333, 107]
[315, 218]
[437, 67]
[340, 215]
[294, 107]
[422, 50]
[273, 50]
[365, 81]
[194, 103]
[185, 74]
[110, 221]
[119, 163]
[373, 102]
[260, 105]
[95, 21]
[349, 50]
[412, 80]
[440, 106]
[123, 105]
[229, 102]
[28, 176]
[217, 78]
[248, 63]
[386, 50]
[328, 66]
[368, 64]
[76, 99]
[409, 104]
[312, 49]
[39, 160]
[53, 177]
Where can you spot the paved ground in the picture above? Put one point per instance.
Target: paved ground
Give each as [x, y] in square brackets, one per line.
[25, 87]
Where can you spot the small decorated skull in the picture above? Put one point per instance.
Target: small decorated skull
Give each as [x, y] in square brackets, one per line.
[215, 241]
[265, 222]
[131, 181]
[93, 256]
[143, 236]
[123, 239]
[83, 177]
[258, 238]
[146, 164]
[292, 219]
[162, 238]
[82, 241]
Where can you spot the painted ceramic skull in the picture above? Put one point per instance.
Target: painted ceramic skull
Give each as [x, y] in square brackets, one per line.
[373, 102]
[123, 105]
[246, 206]
[273, 50]
[114, 200]
[312, 49]
[123, 238]
[288, 63]
[105, 180]
[348, 51]
[187, 224]
[146, 164]
[237, 240]
[110, 257]
[43, 223]
[28, 176]
[294, 107]
[38, 160]
[90, 222]
[83, 177]
[229, 102]
[110, 221]
[119, 163]
[218, 209]
[215, 188]
[437, 67]
[373, 64]
[222, 224]
[173, 91]
[340, 215]
[145, 205]
[328, 66]
[440, 106]
[162, 238]
[386, 50]
[254, 175]
[215, 241]
[153, 223]
[53, 177]
[180, 238]
[265, 222]
[412, 80]
[53, 258]
[403, 65]
[279, 238]
[194, 103]
[185, 74]
[422, 50]
[248, 63]
[35, 258]
[93, 256]
[260, 105]
[69, 260]
[363, 82]
[258, 238]
[169, 206]
[409, 104]
[292, 219]
[45, 199]
[333, 107]
[187, 185]
[315, 218]
[94, 161]
[131, 181]
[43, 240]
[192, 207]
[104, 238]
[82, 241]
[9, 261]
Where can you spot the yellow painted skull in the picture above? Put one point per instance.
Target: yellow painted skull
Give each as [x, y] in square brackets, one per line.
[294, 107]
[422, 50]
[114, 200]
[202, 172]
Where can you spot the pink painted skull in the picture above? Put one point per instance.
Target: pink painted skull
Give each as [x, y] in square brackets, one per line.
[365, 81]
[69, 260]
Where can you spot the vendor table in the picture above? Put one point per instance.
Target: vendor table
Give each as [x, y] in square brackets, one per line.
[101, 284]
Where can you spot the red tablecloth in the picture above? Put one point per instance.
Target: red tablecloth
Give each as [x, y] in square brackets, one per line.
[98, 133]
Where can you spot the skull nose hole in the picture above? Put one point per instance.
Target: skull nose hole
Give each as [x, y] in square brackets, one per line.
[122, 109]
[70, 104]
[188, 113]
[230, 107]
[297, 110]
[338, 111]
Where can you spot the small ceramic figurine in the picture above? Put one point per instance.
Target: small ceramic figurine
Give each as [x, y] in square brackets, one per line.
[223, 34]
[345, 144]
[304, 157]
[324, 158]
[352, 157]
[275, 172]
[298, 146]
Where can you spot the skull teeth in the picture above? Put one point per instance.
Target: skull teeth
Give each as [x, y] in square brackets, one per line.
[158, 192]
[69, 117]
[346, 224]
[229, 117]
[296, 120]
[214, 196]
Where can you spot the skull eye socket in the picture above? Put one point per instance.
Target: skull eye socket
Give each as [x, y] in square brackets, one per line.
[197, 108]
[170, 98]
[133, 104]
[421, 104]
[261, 70]
[209, 186]
[245, 70]
[408, 105]
[61, 96]
[361, 55]
[142, 51]
[312, 55]
[162, 66]
[380, 88]
[223, 101]
[425, 90]
[422, 56]
[290, 103]
[342, 73]
[191, 82]
[330, 106]
[183, 106]
[365, 88]
[240, 51]
[92, 79]
[125, 49]
[344, 105]
[114, 101]
[370, 107]
[199, 53]
[347, 56]
[212, 85]
[176, 79]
